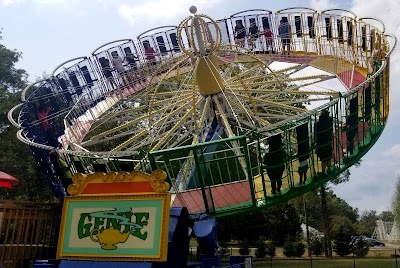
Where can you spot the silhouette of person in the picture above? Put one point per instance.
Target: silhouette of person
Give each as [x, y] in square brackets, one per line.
[253, 33]
[303, 151]
[105, 67]
[149, 53]
[352, 124]
[274, 160]
[46, 126]
[284, 35]
[240, 33]
[324, 139]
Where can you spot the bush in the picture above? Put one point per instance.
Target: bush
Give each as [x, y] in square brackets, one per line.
[360, 248]
[244, 248]
[270, 248]
[342, 246]
[293, 248]
[261, 250]
[300, 248]
[316, 245]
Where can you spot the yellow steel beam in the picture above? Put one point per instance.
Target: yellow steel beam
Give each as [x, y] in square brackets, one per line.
[297, 92]
[272, 103]
[144, 117]
[172, 130]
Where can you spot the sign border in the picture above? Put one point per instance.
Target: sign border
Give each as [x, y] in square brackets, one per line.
[163, 238]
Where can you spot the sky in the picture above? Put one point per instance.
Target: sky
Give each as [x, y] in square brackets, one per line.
[49, 32]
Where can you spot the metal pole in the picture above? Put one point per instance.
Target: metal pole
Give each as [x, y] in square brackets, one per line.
[395, 255]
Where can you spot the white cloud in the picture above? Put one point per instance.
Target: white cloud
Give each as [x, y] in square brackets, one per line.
[321, 5]
[49, 2]
[152, 12]
[10, 2]
[393, 152]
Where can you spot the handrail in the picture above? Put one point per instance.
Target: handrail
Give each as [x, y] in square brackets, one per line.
[306, 8]
[65, 62]
[251, 10]
[10, 115]
[156, 28]
[25, 90]
[109, 43]
[376, 19]
[394, 45]
[339, 9]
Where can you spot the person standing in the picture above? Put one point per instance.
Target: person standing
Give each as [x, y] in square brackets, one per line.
[303, 151]
[240, 33]
[274, 160]
[284, 35]
[149, 53]
[324, 139]
[253, 34]
[118, 64]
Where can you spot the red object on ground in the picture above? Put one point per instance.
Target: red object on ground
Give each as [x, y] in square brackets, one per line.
[7, 181]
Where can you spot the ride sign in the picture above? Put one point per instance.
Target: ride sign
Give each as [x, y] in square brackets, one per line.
[117, 227]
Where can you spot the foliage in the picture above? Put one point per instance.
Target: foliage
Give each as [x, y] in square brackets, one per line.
[270, 248]
[293, 248]
[360, 248]
[274, 223]
[261, 250]
[16, 158]
[282, 221]
[386, 216]
[317, 245]
[244, 248]
[367, 223]
[342, 230]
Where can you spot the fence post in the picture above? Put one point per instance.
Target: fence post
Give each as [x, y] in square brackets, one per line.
[395, 256]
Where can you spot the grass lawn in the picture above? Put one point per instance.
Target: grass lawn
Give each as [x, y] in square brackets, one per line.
[330, 263]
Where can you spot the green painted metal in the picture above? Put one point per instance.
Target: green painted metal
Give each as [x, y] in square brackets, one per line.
[224, 169]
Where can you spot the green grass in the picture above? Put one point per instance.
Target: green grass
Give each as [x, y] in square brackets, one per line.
[329, 263]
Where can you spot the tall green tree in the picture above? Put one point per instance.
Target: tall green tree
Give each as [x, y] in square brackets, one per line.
[386, 216]
[367, 222]
[16, 158]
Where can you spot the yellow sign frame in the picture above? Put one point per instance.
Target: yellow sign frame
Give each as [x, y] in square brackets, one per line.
[157, 201]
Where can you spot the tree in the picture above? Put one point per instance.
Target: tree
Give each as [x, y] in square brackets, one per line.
[343, 177]
[342, 230]
[283, 221]
[367, 222]
[334, 206]
[316, 244]
[247, 227]
[386, 216]
[16, 158]
[275, 223]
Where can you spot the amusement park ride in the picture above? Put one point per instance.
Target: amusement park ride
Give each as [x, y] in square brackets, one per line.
[237, 114]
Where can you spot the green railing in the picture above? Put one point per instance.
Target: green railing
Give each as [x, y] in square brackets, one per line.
[229, 175]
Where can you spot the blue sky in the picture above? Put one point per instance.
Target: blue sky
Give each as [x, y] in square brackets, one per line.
[49, 32]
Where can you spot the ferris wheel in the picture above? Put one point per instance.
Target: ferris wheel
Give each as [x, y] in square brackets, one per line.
[211, 91]
[207, 101]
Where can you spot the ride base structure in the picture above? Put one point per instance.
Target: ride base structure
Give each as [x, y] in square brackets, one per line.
[235, 115]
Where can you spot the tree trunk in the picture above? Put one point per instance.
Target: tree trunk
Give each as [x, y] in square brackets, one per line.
[306, 223]
[326, 220]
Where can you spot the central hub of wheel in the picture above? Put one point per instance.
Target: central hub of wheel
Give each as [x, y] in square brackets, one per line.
[203, 41]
